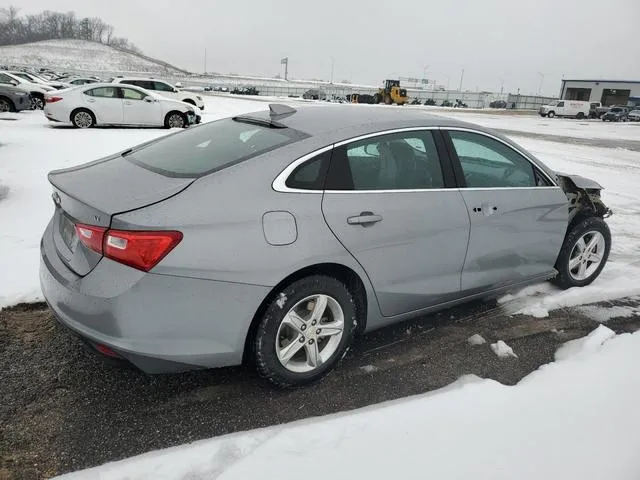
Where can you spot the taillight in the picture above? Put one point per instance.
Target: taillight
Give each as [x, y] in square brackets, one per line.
[141, 250]
[91, 236]
[52, 99]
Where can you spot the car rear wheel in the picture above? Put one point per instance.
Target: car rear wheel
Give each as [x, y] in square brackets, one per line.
[82, 118]
[584, 253]
[305, 331]
[6, 105]
[175, 120]
[580, 116]
[37, 102]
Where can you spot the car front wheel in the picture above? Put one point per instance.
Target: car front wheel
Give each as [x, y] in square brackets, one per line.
[175, 120]
[584, 253]
[305, 331]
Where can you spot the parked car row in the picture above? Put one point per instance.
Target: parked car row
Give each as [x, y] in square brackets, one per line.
[88, 101]
[580, 109]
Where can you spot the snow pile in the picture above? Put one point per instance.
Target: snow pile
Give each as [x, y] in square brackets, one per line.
[501, 349]
[476, 339]
[604, 314]
[80, 55]
[586, 345]
[576, 419]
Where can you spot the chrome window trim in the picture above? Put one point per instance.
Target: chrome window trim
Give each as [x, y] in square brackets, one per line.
[279, 183]
[523, 154]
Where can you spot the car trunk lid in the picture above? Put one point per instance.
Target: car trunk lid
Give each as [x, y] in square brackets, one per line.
[92, 193]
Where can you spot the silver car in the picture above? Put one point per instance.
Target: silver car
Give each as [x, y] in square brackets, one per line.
[277, 236]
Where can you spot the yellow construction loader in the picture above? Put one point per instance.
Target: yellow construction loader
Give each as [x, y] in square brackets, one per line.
[391, 93]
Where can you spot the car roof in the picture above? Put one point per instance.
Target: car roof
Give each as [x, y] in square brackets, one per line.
[345, 121]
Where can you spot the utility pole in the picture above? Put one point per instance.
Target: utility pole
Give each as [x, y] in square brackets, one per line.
[541, 81]
[461, 78]
[205, 60]
[332, 62]
[285, 62]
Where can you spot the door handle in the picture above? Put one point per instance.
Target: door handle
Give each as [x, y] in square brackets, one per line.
[365, 219]
[486, 209]
[127, 103]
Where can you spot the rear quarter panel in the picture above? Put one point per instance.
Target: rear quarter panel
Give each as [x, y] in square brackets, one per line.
[221, 216]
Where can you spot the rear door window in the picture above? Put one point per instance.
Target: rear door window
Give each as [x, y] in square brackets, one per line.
[104, 92]
[162, 87]
[211, 147]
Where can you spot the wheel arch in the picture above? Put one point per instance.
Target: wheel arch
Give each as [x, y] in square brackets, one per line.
[189, 101]
[12, 106]
[338, 271]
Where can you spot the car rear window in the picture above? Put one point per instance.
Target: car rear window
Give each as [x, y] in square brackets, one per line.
[210, 147]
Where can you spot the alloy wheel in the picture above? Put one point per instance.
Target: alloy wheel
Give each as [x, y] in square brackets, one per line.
[310, 333]
[587, 255]
[4, 106]
[83, 119]
[37, 103]
[176, 121]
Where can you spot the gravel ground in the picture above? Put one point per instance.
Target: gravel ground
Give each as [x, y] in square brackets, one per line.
[64, 408]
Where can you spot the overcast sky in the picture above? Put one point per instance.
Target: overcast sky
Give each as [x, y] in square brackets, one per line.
[520, 41]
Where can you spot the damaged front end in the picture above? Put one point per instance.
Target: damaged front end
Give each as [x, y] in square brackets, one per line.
[584, 197]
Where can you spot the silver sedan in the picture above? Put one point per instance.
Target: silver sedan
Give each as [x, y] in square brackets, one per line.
[277, 236]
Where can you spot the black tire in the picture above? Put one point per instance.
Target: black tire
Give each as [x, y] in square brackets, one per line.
[551, 114]
[576, 231]
[172, 120]
[83, 118]
[6, 105]
[266, 358]
[580, 116]
[189, 101]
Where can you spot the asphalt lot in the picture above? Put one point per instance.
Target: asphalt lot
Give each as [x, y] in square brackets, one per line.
[64, 409]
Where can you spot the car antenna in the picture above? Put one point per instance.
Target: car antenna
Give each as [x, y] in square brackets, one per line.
[278, 110]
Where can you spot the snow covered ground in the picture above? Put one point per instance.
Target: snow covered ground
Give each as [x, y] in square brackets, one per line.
[79, 55]
[576, 418]
[30, 147]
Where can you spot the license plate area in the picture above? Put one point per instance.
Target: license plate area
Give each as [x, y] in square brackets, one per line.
[67, 231]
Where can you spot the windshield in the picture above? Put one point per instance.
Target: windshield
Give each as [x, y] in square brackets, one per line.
[616, 109]
[211, 147]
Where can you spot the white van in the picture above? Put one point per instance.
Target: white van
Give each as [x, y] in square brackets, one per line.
[566, 108]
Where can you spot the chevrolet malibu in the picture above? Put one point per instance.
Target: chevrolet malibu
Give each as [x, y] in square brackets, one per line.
[276, 237]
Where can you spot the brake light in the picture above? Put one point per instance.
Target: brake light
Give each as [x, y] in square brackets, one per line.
[52, 99]
[91, 236]
[138, 249]
[141, 250]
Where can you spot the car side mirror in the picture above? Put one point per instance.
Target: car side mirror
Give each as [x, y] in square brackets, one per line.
[14, 83]
[149, 99]
[175, 90]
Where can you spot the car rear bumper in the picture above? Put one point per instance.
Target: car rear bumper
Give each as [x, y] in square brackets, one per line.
[160, 323]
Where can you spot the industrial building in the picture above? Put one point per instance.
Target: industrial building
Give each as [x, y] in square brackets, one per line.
[608, 92]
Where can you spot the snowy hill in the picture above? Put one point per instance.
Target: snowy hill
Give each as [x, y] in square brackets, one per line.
[82, 55]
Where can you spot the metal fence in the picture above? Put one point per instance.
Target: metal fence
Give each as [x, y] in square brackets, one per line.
[527, 102]
[274, 87]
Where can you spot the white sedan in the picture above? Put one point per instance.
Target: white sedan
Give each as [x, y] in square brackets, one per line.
[109, 104]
